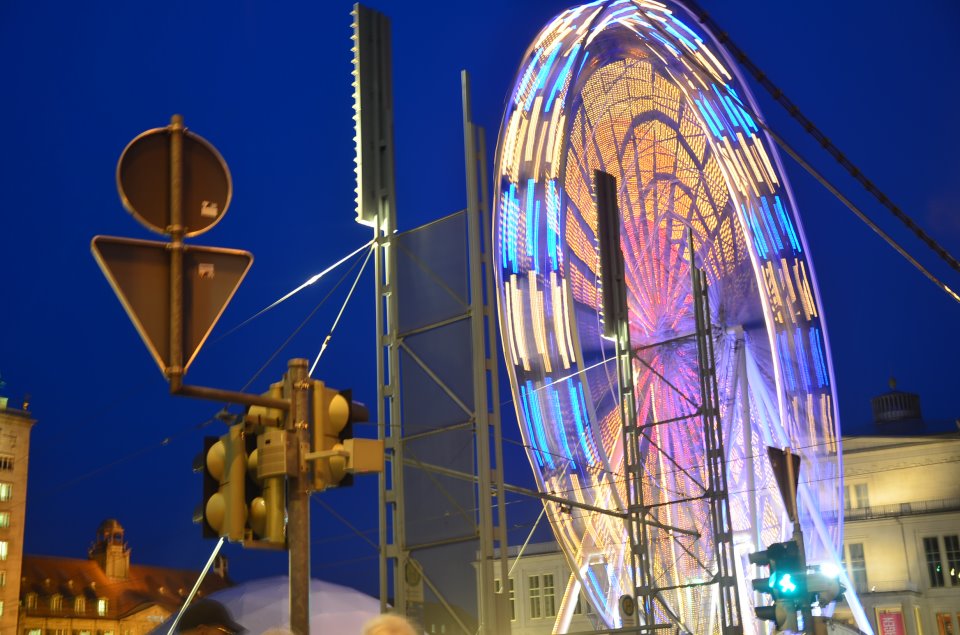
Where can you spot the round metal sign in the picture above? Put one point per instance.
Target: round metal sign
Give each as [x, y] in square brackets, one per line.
[143, 181]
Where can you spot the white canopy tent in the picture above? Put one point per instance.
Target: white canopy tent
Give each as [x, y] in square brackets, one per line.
[263, 604]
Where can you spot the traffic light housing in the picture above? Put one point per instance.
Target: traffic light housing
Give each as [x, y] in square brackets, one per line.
[337, 455]
[223, 511]
[787, 583]
[267, 472]
[787, 579]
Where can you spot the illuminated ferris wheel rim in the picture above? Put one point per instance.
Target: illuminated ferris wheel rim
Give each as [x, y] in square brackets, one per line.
[541, 406]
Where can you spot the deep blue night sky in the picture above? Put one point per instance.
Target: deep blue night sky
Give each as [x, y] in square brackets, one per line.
[269, 85]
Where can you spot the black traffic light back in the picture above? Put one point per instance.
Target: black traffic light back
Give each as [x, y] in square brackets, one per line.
[358, 414]
[210, 487]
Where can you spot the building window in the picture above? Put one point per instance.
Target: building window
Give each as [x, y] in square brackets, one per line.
[102, 606]
[862, 496]
[6, 461]
[34, 631]
[3, 579]
[79, 605]
[6, 491]
[857, 566]
[549, 596]
[4, 549]
[846, 498]
[952, 545]
[4, 520]
[56, 603]
[931, 549]
[31, 600]
[533, 590]
[1, 608]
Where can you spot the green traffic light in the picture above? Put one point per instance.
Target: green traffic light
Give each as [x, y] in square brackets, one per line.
[786, 584]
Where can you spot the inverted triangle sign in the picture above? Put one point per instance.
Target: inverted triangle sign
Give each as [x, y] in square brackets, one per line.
[139, 272]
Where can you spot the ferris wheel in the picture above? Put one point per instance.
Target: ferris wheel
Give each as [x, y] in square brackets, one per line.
[633, 88]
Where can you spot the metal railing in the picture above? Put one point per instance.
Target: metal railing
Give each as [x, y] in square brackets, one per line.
[902, 509]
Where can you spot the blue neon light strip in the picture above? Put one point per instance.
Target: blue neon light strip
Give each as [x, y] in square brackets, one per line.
[542, 76]
[755, 230]
[562, 433]
[657, 36]
[579, 408]
[783, 351]
[818, 357]
[707, 118]
[538, 425]
[561, 79]
[536, 236]
[791, 233]
[527, 75]
[770, 223]
[511, 214]
[553, 224]
[683, 26]
[526, 420]
[802, 358]
[713, 114]
[672, 31]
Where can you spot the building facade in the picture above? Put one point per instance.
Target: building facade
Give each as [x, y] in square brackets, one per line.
[15, 426]
[902, 520]
[104, 594]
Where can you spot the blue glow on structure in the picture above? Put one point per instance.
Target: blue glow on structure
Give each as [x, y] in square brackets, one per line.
[536, 236]
[818, 358]
[527, 419]
[555, 400]
[542, 76]
[663, 41]
[770, 223]
[802, 358]
[527, 75]
[562, 78]
[672, 31]
[706, 117]
[553, 224]
[538, 425]
[683, 26]
[755, 230]
[578, 410]
[786, 222]
[783, 352]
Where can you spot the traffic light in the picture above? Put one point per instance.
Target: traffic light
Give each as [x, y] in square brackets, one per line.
[223, 511]
[211, 486]
[787, 583]
[267, 472]
[337, 455]
[787, 578]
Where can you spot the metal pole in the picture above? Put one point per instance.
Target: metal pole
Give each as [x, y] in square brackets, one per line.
[298, 496]
[798, 538]
[176, 231]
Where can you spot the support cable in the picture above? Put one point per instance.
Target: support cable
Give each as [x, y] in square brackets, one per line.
[343, 307]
